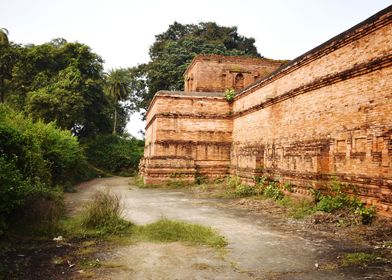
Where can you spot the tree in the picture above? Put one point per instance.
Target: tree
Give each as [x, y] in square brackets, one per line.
[4, 65]
[4, 36]
[174, 49]
[117, 87]
[63, 82]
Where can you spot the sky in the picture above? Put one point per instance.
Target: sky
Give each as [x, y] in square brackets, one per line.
[121, 31]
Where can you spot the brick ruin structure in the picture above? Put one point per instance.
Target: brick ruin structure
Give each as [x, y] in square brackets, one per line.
[326, 115]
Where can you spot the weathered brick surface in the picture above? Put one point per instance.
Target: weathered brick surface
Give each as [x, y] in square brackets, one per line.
[326, 115]
[217, 73]
[188, 135]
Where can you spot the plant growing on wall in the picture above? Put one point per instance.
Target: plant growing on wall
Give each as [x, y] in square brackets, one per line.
[229, 94]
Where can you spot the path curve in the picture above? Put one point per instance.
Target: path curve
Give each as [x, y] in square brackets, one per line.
[259, 248]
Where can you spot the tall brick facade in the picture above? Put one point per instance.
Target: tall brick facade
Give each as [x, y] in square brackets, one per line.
[325, 115]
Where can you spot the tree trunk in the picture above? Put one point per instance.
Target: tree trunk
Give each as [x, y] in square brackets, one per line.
[115, 121]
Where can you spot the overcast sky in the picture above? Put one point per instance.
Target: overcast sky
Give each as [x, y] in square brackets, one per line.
[121, 31]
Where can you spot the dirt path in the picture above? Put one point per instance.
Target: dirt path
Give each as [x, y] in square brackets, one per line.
[260, 246]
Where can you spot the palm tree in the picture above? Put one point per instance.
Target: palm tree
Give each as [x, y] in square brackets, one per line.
[117, 87]
[4, 36]
[3, 42]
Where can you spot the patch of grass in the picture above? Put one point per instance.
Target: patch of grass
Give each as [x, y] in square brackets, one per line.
[86, 251]
[138, 181]
[166, 230]
[298, 209]
[358, 259]
[176, 184]
[90, 264]
[113, 265]
[243, 190]
[102, 218]
[232, 181]
[57, 260]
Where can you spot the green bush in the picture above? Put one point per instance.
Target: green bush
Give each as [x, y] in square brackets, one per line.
[114, 154]
[245, 190]
[35, 159]
[272, 191]
[232, 181]
[337, 199]
[12, 190]
[328, 203]
[41, 152]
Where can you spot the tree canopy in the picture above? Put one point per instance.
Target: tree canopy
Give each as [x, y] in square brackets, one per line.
[59, 81]
[174, 49]
[117, 87]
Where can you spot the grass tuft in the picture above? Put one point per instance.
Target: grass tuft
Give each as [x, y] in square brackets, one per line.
[359, 259]
[103, 212]
[166, 230]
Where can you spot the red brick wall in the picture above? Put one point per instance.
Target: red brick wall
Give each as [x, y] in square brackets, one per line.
[191, 135]
[329, 115]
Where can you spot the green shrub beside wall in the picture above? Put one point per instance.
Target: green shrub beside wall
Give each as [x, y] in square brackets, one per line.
[36, 160]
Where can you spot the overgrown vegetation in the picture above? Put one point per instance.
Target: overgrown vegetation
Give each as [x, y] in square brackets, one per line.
[115, 154]
[102, 217]
[52, 98]
[358, 259]
[332, 200]
[166, 230]
[37, 161]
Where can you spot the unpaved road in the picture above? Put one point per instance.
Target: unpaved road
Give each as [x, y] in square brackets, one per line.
[260, 247]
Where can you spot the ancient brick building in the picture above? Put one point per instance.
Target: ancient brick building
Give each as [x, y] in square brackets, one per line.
[325, 115]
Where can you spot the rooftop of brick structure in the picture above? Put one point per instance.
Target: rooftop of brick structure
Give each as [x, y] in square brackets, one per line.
[190, 94]
[361, 29]
[244, 60]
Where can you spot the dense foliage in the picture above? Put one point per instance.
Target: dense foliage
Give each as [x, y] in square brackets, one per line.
[175, 48]
[59, 81]
[35, 159]
[115, 154]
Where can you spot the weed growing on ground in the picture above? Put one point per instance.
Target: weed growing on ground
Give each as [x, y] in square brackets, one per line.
[244, 191]
[337, 199]
[232, 182]
[358, 259]
[103, 212]
[298, 209]
[166, 230]
[273, 191]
